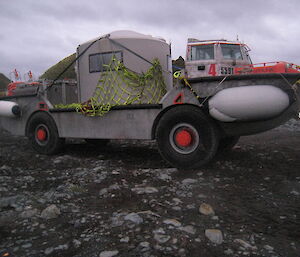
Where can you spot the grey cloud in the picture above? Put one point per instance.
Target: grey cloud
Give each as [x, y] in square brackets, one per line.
[39, 33]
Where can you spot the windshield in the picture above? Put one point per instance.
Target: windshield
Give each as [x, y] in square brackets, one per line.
[232, 52]
[202, 52]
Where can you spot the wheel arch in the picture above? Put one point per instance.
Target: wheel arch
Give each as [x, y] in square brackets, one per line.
[32, 115]
[164, 111]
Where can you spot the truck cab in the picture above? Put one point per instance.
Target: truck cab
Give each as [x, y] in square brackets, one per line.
[214, 57]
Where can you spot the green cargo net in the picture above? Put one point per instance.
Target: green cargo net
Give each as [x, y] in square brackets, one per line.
[118, 86]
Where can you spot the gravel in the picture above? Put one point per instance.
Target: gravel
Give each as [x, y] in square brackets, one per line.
[124, 200]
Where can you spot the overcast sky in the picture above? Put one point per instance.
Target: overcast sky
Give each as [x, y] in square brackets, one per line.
[34, 34]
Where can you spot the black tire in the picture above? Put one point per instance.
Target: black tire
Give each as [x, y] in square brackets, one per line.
[186, 137]
[227, 143]
[43, 135]
[97, 142]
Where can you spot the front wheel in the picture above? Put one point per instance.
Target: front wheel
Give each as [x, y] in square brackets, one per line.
[43, 135]
[186, 137]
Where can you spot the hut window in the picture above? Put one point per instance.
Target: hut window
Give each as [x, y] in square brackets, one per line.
[98, 62]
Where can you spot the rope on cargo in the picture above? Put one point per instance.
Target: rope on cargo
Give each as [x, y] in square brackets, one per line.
[178, 75]
[118, 85]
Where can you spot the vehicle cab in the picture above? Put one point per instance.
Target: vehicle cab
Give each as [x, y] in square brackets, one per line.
[214, 57]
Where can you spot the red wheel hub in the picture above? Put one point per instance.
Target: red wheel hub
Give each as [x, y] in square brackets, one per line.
[41, 134]
[183, 138]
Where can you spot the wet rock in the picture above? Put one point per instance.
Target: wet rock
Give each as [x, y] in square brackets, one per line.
[103, 191]
[160, 238]
[245, 244]
[164, 177]
[228, 252]
[269, 248]
[124, 239]
[189, 181]
[214, 235]
[144, 190]
[145, 245]
[27, 214]
[206, 209]
[28, 245]
[109, 253]
[76, 243]
[114, 187]
[49, 250]
[134, 217]
[10, 201]
[117, 219]
[172, 222]
[51, 212]
[62, 247]
[189, 229]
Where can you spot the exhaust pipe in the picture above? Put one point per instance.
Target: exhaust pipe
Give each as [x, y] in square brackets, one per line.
[9, 109]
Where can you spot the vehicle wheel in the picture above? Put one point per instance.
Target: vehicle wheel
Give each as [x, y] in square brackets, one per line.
[227, 143]
[186, 137]
[43, 135]
[97, 142]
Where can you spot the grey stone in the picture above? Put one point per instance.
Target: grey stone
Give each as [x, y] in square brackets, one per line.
[10, 201]
[76, 243]
[161, 238]
[214, 235]
[49, 250]
[172, 222]
[189, 229]
[27, 214]
[109, 253]
[124, 239]
[189, 181]
[103, 191]
[228, 252]
[245, 244]
[206, 209]
[51, 212]
[144, 244]
[134, 217]
[62, 247]
[164, 177]
[28, 245]
[117, 219]
[114, 187]
[269, 248]
[144, 190]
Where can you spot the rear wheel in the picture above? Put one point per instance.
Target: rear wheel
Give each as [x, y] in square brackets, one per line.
[43, 135]
[186, 137]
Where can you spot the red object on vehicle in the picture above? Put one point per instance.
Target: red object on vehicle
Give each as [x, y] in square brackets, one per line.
[184, 138]
[268, 67]
[11, 87]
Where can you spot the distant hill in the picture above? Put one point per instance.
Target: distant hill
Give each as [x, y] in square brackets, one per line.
[56, 69]
[178, 64]
[3, 82]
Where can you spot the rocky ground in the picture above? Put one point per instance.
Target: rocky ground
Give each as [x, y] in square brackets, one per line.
[124, 200]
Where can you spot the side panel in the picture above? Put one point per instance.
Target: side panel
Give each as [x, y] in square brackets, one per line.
[117, 124]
